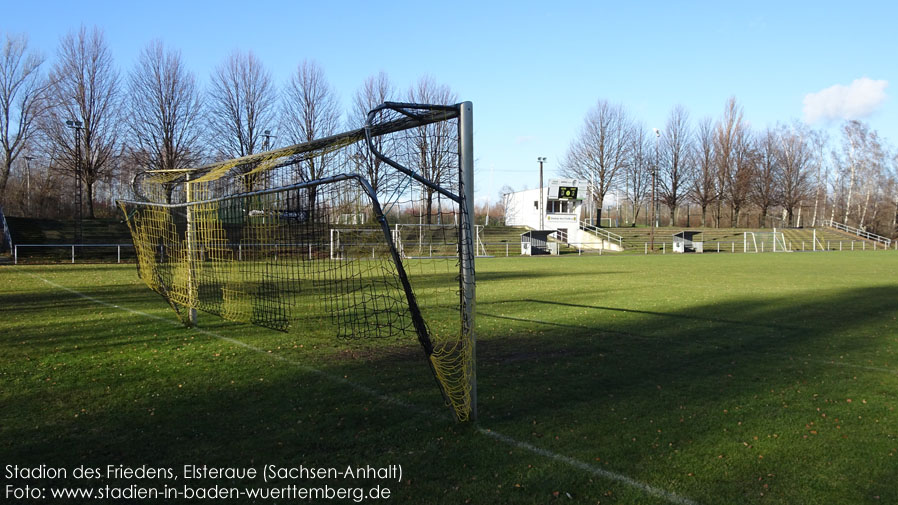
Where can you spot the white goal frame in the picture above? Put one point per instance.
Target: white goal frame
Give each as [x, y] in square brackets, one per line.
[416, 249]
[764, 241]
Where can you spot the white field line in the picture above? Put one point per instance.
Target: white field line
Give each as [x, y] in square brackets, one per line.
[580, 465]
[586, 467]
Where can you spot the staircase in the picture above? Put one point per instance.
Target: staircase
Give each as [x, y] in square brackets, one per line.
[604, 239]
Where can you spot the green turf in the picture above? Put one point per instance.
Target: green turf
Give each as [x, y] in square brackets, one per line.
[767, 378]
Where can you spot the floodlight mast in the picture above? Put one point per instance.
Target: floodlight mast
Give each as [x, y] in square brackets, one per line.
[654, 177]
[542, 203]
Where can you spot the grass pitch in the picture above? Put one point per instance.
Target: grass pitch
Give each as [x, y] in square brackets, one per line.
[767, 378]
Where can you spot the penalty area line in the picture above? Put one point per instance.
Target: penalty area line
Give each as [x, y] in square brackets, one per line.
[575, 463]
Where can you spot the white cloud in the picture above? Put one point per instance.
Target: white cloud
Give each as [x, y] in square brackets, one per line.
[856, 101]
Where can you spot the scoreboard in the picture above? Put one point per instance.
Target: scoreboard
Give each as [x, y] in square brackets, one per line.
[567, 189]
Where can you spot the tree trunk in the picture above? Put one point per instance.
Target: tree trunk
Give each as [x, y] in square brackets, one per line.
[705, 214]
[429, 207]
[599, 201]
[4, 175]
[864, 212]
[90, 200]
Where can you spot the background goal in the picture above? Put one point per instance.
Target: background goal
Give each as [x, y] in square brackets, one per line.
[755, 241]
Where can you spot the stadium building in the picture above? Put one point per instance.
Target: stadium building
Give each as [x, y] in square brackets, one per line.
[560, 208]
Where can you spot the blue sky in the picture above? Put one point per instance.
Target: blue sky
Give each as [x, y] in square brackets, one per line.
[533, 69]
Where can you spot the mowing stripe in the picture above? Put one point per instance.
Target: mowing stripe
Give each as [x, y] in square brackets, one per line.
[592, 469]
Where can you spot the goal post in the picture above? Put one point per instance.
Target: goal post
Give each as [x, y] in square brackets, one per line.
[250, 240]
[416, 240]
[756, 242]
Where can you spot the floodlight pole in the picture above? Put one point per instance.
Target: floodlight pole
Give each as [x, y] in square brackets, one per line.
[654, 176]
[267, 134]
[542, 203]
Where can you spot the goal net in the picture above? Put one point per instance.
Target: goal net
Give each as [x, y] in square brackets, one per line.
[756, 242]
[254, 240]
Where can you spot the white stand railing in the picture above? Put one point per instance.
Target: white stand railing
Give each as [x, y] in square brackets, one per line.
[858, 232]
[612, 238]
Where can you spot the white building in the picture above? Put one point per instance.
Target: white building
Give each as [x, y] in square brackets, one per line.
[560, 208]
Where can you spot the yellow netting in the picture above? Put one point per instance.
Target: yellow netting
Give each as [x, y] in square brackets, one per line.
[248, 240]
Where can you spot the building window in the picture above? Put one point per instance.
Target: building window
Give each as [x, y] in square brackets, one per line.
[560, 206]
[535, 204]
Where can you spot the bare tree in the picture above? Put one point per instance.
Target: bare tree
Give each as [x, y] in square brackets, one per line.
[376, 90]
[866, 159]
[85, 87]
[638, 170]
[601, 151]
[893, 185]
[795, 158]
[764, 185]
[704, 190]
[733, 158]
[22, 89]
[675, 158]
[819, 143]
[311, 111]
[165, 111]
[242, 104]
[435, 145]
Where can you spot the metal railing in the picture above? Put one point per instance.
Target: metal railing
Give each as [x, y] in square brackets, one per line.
[612, 238]
[858, 232]
[72, 247]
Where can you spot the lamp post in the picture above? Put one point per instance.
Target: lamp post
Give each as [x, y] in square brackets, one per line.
[76, 127]
[654, 176]
[267, 134]
[542, 202]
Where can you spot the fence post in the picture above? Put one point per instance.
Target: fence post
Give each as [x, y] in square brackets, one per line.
[118, 254]
[734, 247]
[506, 249]
[718, 247]
[73, 254]
[646, 247]
[15, 254]
[663, 247]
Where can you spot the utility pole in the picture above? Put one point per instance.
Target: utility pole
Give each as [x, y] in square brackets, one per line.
[542, 200]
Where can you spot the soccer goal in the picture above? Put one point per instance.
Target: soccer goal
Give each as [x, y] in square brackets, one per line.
[767, 241]
[252, 239]
[432, 240]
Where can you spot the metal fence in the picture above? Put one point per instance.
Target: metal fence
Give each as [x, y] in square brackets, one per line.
[59, 252]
